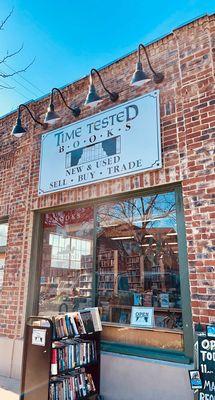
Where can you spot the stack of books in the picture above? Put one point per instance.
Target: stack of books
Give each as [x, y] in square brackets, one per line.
[68, 354]
[77, 323]
[77, 386]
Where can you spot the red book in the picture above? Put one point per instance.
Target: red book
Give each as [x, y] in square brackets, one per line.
[54, 362]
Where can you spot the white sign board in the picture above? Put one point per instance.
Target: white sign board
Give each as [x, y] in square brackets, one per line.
[39, 337]
[120, 141]
[142, 316]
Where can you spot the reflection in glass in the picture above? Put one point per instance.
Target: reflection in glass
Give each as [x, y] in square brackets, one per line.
[137, 260]
[67, 261]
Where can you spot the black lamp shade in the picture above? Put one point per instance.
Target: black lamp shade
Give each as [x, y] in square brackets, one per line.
[139, 77]
[18, 130]
[92, 97]
[51, 116]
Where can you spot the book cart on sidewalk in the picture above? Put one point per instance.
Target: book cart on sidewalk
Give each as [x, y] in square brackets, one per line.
[61, 357]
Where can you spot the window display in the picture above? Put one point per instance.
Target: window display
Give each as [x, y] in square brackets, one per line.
[137, 260]
[67, 261]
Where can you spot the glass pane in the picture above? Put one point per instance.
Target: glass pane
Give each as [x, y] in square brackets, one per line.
[67, 261]
[137, 262]
[3, 234]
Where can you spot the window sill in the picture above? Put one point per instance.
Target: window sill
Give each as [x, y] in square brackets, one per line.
[146, 352]
[155, 338]
[153, 329]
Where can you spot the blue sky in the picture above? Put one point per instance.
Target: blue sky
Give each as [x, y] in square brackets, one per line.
[70, 37]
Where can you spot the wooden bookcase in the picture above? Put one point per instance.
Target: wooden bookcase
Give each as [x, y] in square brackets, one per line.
[135, 268]
[36, 362]
[108, 272]
[85, 277]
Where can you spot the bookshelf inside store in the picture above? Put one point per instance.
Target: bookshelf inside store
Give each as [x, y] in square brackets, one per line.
[85, 277]
[66, 357]
[108, 272]
[137, 280]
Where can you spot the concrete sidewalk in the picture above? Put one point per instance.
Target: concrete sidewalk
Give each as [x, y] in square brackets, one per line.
[9, 389]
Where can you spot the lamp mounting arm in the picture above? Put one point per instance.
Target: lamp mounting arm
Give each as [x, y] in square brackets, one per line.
[29, 111]
[100, 78]
[62, 97]
[158, 75]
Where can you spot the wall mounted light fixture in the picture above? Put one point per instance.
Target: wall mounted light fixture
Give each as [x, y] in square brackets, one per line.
[93, 98]
[139, 77]
[51, 116]
[18, 130]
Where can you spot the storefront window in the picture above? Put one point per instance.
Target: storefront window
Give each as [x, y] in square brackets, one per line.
[3, 244]
[67, 261]
[121, 256]
[137, 261]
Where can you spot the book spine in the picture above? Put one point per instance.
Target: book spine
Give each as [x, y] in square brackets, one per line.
[54, 368]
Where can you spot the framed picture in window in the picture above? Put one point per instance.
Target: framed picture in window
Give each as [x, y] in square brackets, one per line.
[142, 316]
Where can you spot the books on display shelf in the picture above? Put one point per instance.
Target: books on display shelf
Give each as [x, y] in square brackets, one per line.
[68, 354]
[75, 355]
[164, 300]
[77, 323]
[61, 359]
[78, 385]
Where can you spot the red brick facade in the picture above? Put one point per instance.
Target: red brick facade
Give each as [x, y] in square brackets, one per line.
[187, 105]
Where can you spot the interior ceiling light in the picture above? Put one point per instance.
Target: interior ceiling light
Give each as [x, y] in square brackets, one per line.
[122, 237]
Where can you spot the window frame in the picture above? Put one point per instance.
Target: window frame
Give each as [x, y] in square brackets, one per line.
[185, 356]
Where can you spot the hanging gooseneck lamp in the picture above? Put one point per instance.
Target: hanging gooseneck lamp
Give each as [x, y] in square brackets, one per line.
[139, 77]
[18, 130]
[92, 97]
[51, 115]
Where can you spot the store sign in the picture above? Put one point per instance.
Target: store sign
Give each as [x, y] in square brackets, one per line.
[120, 141]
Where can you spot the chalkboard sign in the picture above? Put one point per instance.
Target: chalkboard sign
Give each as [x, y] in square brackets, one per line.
[206, 354]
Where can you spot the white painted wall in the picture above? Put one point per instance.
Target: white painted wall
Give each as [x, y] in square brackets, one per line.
[134, 378]
[10, 357]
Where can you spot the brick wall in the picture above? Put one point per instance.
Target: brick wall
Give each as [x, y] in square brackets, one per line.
[186, 56]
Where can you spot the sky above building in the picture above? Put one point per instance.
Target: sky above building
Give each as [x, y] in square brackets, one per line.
[67, 38]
